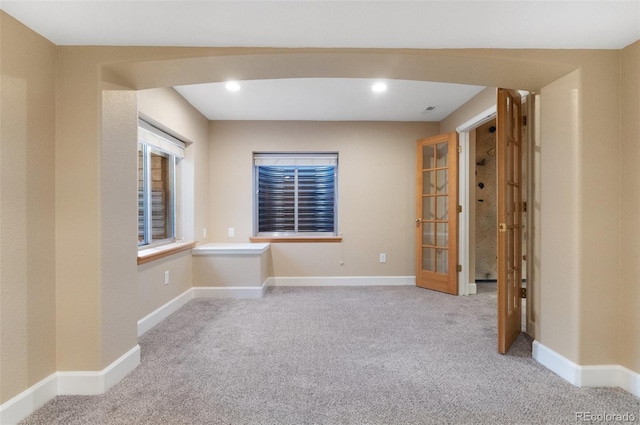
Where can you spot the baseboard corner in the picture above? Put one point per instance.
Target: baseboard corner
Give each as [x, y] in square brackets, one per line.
[95, 383]
[558, 364]
[28, 401]
[473, 288]
[611, 375]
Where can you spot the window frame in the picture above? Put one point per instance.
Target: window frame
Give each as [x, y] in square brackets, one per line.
[297, 159]
[153, 141]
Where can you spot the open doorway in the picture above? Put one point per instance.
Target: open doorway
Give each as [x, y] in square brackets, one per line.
[478, 195]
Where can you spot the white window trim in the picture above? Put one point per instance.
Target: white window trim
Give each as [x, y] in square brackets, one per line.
[295, 159]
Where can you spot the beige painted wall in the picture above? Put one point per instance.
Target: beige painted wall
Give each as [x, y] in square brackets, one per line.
[560, 281]
[77, 160]
[580, 261]
[27, 210]
[630, 283]
[600, 198]
[376, 185]
[152, 293]
[118, 194]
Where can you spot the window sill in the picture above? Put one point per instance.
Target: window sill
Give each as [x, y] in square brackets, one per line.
[294, 239]
[152, 254]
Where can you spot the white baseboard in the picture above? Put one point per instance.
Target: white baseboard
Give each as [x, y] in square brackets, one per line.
[231, 291]
[587, 376]
[473, 288]
[28, 401]
[158, 315]
[92, 383]
[68, 383]
[629, 380]
[344, 281]
[557, 363]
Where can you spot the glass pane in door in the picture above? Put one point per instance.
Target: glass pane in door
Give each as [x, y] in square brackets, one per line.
[442, 181]
[428, 236]
[428, 208]
[428, 182]
[442, 209]
[442, 150]
[429, 259]
[442, 234]
[428, 157]
[442, 260]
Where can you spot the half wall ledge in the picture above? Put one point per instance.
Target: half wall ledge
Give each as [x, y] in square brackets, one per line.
[232, 265]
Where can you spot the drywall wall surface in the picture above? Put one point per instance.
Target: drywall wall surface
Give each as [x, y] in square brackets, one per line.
[630, 242]
[152, 293]
[599, 218]
[78, 227]
[376, 185]
[118, 221]
[27, 208]
[560, 217]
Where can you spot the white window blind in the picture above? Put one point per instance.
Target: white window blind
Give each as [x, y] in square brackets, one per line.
[293, 159]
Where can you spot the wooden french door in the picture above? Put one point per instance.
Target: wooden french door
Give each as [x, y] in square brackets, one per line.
[437, 213]
[509, 151]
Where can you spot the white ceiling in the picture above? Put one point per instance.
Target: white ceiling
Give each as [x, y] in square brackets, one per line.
[393, 24]
[321, 23]
[328, 99]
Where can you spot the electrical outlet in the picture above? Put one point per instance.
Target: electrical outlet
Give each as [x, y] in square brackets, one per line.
[204, 233]
[166, 277]
[231, 232]
[383, 258]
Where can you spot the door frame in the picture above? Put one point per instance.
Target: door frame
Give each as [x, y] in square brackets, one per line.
[467, 284]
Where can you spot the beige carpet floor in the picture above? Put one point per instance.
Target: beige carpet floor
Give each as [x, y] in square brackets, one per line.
[366, 355]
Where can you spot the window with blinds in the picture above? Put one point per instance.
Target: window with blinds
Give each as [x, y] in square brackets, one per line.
[295, 194]
[158, 153]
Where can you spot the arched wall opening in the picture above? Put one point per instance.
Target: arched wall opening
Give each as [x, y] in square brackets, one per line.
[575, 82]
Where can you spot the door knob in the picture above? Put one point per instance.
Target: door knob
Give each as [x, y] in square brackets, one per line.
[418, 220]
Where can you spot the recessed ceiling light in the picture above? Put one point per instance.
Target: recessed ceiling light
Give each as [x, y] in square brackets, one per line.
[232, 86]
[379, 87]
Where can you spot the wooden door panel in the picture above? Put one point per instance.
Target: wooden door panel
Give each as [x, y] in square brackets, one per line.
[436, 212]
[509, 151]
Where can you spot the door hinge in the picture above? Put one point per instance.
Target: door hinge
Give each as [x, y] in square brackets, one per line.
[524, 206]
[523, 292]
[459, 208]
[524, 120]
[459, 267]
[502, 227]
[459, 149]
